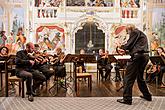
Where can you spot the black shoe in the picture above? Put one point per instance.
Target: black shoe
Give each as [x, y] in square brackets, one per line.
[148, 98]
[30, 98]
[124, 101]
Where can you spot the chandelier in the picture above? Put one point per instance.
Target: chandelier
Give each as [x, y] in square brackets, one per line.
[90, 43]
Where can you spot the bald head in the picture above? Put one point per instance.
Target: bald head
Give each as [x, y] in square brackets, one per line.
[130, 28]
[30, 47]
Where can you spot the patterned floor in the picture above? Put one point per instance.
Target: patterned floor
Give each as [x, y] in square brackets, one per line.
[76, 103]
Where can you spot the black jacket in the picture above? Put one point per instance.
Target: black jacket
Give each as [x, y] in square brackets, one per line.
[137, 43]
[23, 60]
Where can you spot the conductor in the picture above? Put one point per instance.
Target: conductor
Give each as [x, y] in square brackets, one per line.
[137, 45]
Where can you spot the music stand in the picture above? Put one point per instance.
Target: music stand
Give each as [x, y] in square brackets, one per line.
[69, 59]
[122, 58]
[86, 58]
[157, 60]
[111, 58]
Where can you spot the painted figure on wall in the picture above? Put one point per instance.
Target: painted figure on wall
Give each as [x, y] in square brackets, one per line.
[158, 24]
[50, 37]
[10, 42]
[3, 38]
[17, 19]
[119, 35]
[75, 2]
[47, 3]
[130, 3]
[101, 3]
[20, 38]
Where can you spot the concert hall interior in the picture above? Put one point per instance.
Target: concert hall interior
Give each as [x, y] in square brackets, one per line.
[75, 48]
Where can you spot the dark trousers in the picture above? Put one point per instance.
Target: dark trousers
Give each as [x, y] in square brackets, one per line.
[28, 77]
[162, 71]
[135, 70]
[107, 69]
[117, 68]
[38, 78]
[45, 69]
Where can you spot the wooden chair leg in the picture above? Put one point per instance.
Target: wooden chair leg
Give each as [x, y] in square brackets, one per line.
[90, 83]
[76, 84]
[19, 88]
[23, 92]
[1, 80]
[46, 84]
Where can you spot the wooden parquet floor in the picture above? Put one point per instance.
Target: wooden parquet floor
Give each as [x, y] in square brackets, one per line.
[99, 89]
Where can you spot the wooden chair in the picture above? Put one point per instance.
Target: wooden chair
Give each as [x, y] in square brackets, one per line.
[20, 81]
[1, 75]
[104, 71]
[13, 79]
[83, 75]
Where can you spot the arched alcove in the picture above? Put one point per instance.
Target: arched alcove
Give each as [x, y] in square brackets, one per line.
[81, 34]
[89, 38]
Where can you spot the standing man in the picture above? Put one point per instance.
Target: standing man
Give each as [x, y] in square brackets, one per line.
[137, 45]
[24, 65]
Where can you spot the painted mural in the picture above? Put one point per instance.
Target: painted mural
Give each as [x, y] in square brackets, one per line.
[1, 22]
[17, 19]
[119, 35]
[101, 3]
[158, 24]
[90, 3]
[130, 3]
[75, 2]
[47, 3]
[50, 37]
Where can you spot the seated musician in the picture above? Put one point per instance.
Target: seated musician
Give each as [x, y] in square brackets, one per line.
[161, 52]
[59, 66]
[42, 64]
[80, 63]
[4, 51]
[160, 70]
[119, 65]
[103, 63]
[24, 69]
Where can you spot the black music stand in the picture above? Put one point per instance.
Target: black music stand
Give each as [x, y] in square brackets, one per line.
[123, 59]
[157, 60]
[112, 59]
[87, 58]
[69, 59]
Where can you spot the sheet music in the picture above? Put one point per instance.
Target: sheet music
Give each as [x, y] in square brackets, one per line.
[2, 61]
[122, 57]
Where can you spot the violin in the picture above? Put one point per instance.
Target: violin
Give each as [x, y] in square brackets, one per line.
[38, 58]
[58, 58]
[120, 51]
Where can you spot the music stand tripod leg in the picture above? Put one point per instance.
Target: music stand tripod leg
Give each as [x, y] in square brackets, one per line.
[122, 82]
